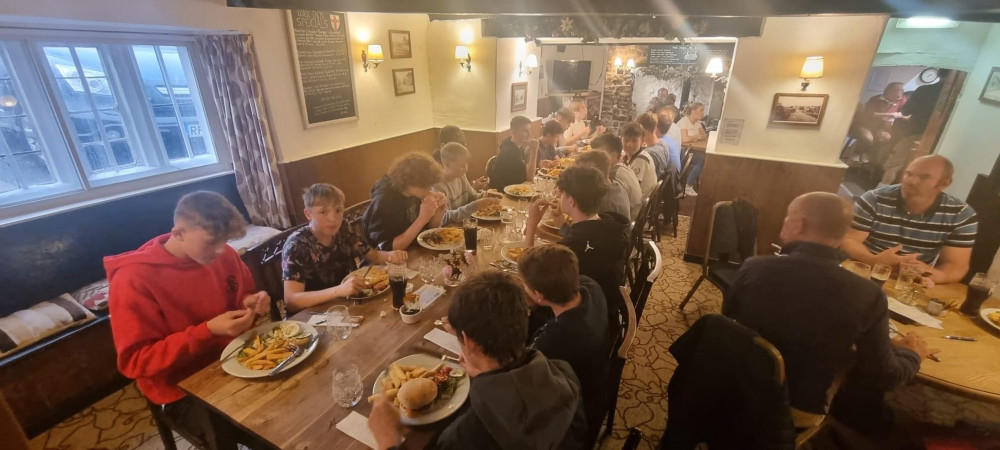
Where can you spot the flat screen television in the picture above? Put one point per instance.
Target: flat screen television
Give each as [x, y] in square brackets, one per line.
[570, 76]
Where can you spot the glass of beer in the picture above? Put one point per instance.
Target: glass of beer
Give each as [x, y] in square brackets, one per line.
[906, 283]
[881, 273]
[397, 282]
[860, 269]
[470, 226]
[980, 289]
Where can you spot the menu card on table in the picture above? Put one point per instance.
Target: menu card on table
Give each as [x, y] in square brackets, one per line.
[915, 314]
[444, 339]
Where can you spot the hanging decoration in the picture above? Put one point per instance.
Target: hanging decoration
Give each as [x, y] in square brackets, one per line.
[592, 28]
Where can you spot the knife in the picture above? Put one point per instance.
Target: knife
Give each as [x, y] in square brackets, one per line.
[298, 352]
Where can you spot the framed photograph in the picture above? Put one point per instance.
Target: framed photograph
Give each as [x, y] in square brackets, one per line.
[399, 44]
[798, 109]
[991, 92]
[402, 81]
[519, 96]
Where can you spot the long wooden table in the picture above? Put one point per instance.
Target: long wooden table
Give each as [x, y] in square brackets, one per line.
[295, 409]
[969, 369]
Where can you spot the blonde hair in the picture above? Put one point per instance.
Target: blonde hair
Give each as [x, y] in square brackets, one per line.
[454, 152]
[211, 212]
[321, 194]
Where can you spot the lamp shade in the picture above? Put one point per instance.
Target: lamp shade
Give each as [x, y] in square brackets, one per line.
[714, 66]
[531, 61]
[375, 53]
[618, 61]
[630, 63]
[461, 52]
[812, 68]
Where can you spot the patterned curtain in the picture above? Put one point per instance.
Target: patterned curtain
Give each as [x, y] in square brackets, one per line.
[232, 66]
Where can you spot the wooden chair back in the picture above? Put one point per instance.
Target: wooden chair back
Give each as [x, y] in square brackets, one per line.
[650, 266]
[636, 239]
[621, 344]
[264, 262]
[732, 232]
[354, 214]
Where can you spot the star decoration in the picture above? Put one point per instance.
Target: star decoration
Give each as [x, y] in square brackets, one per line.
[566, 25]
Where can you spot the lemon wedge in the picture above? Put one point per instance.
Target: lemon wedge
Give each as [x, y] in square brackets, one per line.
[289, 329]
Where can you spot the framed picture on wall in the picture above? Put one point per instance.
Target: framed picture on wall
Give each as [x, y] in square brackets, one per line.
[991, 91]
[399, 44]
[402, 81]
[798, 109]
[519, 96]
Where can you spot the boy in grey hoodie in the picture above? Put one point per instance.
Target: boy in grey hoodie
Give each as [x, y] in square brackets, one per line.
[519, 399]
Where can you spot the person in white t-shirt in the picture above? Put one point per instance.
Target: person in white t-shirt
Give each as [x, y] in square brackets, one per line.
[637, 159]
[693, 131]
[579, 129]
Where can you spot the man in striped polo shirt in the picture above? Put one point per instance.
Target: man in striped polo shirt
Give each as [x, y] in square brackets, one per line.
[915, 223]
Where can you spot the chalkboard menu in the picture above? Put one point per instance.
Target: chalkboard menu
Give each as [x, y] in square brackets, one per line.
[682, 54]
[322, 59]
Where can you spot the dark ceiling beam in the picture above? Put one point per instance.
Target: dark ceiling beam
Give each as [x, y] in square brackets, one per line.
[974, 10]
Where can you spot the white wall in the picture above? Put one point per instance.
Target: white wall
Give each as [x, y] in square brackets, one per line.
[970, 139]
[596, 54]
[374, 89]
[770, 64]
[951, 48]
[462, 98]
[510, 52]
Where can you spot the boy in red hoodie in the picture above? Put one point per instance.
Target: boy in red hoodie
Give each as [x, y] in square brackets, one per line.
[177, 301]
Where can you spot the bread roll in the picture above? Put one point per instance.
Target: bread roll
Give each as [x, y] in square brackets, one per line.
[417, 393]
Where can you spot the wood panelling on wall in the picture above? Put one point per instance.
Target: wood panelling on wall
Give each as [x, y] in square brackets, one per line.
[771, 185]
[355, 170]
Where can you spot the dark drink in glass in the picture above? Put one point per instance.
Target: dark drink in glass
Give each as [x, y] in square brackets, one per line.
[877, 278]
[398, 286]
[974, 298]
[470, 226]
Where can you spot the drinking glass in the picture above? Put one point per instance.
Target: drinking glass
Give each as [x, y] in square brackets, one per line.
[428, 269]
[507, 219]
[520, 219]
[522, 206]
[470, 227]
[881, 273]
[347, 387]
[338, 321]
[905, 283]
[860, 269]
[979, 290]
[397, 282]
[486, 239]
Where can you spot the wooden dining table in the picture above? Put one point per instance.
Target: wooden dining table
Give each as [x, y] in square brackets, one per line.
[968, 369]
[295, 409]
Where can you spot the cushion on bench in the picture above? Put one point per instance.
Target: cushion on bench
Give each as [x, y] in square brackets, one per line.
[93, 296]
[28, 326]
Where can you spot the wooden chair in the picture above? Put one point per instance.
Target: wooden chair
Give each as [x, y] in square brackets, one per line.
[167, 431]
[634, 438]
[732, 238]
[636, 240]
[685, 171]
[354, 214]
[803, 436]
[621, 345]
[10, 428]
[652, 228]
[648, 270]
[668, 206]
[264, 262]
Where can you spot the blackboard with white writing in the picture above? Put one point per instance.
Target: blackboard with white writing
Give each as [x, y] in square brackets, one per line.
[321, 49]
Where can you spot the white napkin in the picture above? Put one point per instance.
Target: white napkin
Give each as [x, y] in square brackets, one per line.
[428, 293]
[444, 339]
[356, 426]
[410, 273]
[913, 313]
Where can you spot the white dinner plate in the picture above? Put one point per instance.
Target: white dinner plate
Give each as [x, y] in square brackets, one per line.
[364, 295]
[512, 245]
[513, 189]
[479, 216]
[985, 312]
[234, 368]
[440, 409]
[444, 246]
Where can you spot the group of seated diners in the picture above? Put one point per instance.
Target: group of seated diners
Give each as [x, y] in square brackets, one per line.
[537, 344]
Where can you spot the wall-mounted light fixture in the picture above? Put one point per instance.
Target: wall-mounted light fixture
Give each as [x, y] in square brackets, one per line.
[626, 68]
[528, 65]
[373, 57]
[463, 57]
[812, 68]
[714, 69]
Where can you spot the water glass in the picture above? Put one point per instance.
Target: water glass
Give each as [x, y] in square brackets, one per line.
[429, 268]
[486, 239]
[347, 387]
[881, 273]
[520, 220]
[905, 283]
[860, 269]
[338, 322]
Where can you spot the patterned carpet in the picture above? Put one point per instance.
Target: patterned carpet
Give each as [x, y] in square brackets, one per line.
[122, 422]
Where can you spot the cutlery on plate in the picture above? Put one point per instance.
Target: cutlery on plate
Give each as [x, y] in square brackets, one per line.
[238, 348]
[295, 354]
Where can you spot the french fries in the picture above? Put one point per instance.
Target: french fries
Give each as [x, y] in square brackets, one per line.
[397, 375]
[265, 353]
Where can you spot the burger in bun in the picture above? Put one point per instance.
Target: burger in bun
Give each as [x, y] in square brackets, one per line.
[417, 394]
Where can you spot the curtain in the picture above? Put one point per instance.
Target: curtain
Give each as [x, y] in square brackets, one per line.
[232, 66]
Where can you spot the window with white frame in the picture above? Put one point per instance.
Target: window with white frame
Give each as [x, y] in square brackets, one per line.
[88, 117]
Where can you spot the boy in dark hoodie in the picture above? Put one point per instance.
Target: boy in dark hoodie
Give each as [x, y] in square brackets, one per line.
[599, 240]
[519, 399]
[177, 301]
[403, 203]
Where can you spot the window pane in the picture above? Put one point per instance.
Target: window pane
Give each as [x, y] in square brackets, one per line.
[22, 158]
[73, 95]
[123, 154]
[34, 169]
[90, 60]
[171, 93]
[10, 103]
[96, 157]
[61, 61]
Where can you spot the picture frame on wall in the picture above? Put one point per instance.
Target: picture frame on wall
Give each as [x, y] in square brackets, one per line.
[403, 82]
[805, 110]
[519, 96]
[399, 44]
[991, 90]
